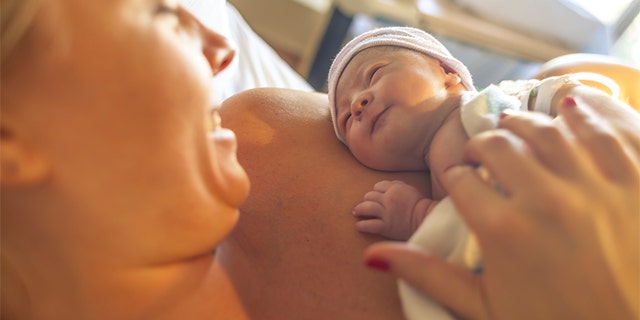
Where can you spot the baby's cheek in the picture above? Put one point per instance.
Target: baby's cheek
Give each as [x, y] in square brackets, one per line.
[361, 154]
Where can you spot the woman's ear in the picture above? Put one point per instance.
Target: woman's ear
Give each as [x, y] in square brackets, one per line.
[20, 163]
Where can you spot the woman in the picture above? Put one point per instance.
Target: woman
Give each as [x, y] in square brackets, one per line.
[116, 193]
[115, 188]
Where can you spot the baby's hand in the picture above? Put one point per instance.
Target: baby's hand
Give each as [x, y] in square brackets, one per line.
[393, 209]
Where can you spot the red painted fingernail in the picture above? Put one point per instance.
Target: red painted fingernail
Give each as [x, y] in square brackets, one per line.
[379, 264]
[569, 102]
[505, 113]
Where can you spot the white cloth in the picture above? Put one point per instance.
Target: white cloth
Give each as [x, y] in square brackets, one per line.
[443, 231]
[256, 64]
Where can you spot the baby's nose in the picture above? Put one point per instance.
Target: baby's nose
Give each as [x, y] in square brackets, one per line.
[359, 103]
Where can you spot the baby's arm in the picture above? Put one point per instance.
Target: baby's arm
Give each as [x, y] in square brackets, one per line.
[393, 209]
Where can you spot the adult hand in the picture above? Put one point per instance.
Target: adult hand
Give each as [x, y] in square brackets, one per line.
[561, 242]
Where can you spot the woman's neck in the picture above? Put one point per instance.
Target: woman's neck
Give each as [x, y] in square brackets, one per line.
[198, 289]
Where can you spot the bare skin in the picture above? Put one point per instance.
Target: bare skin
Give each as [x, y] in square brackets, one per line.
[115, 188]
[295, 253]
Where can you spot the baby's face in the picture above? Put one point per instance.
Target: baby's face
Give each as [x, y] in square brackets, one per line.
[390, 103]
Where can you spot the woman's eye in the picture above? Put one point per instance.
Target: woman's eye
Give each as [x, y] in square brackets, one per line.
[176, 14]
[168, 8]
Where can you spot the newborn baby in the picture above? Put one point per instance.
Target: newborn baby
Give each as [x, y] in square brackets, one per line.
[400, 101]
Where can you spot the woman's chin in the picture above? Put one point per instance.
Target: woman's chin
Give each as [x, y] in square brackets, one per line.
[224, 226]
[230, 180]
[234, 186]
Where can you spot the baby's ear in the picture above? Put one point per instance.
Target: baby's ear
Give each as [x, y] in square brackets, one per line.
[20, 163]
[452, 79]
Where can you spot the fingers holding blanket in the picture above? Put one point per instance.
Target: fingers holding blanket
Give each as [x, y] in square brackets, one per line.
[547, 141]
[611, 156]
[451, 286]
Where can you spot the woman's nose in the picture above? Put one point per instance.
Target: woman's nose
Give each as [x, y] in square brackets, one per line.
[360, 102]
[217, 49]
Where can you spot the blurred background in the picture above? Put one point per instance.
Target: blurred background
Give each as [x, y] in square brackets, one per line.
[496, 39]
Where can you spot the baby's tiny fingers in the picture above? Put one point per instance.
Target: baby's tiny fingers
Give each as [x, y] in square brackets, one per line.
[384, 185]
[375, 226]
[375, 196]
[368, 209]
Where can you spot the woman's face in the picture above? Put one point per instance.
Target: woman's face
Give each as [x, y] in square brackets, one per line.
[115, 95]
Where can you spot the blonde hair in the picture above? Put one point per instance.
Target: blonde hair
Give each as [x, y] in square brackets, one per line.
[16, 19]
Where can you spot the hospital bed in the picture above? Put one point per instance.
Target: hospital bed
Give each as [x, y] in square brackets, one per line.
[257, 64]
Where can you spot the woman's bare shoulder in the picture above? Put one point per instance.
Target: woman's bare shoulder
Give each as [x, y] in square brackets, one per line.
[295, 253]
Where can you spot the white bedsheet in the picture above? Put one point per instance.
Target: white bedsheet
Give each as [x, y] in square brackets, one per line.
[256, 64]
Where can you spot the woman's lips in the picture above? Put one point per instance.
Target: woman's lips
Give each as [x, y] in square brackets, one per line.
[215, 122]
[222, 134]
[215, 129]
[230, 176]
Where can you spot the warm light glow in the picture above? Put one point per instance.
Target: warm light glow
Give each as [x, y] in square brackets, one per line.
[608, 11]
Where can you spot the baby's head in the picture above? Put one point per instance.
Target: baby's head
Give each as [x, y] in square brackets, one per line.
[401, 37]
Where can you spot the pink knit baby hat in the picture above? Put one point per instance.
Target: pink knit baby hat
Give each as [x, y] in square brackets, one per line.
[404, 37]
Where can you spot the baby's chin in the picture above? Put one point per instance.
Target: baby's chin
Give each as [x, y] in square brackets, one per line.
[397, 162]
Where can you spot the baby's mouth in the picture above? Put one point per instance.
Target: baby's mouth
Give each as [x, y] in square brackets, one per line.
[374, 122]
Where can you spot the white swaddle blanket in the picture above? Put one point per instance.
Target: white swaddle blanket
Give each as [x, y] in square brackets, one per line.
[443, 232]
